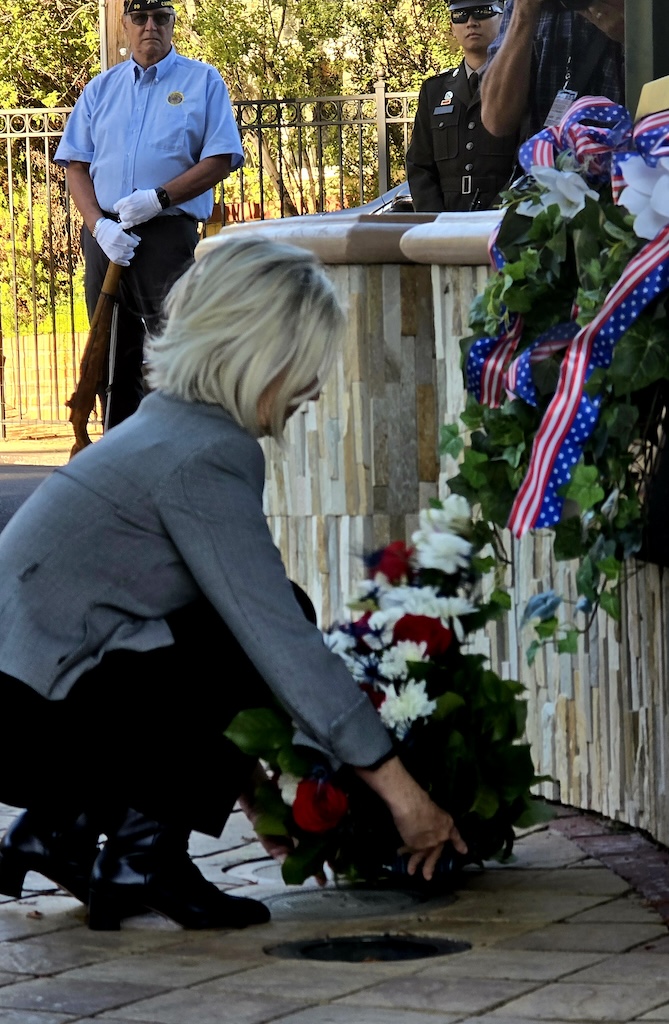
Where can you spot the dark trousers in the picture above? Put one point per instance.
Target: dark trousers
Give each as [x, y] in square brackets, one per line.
[141, 730]
[164, 253]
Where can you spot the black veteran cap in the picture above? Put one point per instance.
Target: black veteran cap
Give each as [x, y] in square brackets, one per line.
[462, 5]
[130, 6]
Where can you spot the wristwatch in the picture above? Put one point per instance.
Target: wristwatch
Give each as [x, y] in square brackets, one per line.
[163, 198]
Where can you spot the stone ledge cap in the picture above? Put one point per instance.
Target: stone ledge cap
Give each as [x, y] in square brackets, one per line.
[459, 239]
[340, 237]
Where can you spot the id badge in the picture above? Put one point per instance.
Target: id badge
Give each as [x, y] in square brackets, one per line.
[561, 104]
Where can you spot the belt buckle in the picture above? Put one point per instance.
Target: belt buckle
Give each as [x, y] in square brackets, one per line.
[466, 184]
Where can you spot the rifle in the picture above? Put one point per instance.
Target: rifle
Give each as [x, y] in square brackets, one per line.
[92, 361]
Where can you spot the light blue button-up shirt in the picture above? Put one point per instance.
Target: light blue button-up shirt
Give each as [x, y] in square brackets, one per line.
[141, 128]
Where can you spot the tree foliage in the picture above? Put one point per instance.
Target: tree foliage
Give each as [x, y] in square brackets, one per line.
[48, 51]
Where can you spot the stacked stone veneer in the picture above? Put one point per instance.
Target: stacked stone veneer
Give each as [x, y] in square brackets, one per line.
[358, 466]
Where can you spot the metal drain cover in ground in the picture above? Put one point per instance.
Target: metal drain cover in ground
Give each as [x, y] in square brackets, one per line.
[360, 949]
[346, 903]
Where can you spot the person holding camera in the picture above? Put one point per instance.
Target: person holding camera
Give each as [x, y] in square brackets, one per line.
[452, 162]
[547, 54]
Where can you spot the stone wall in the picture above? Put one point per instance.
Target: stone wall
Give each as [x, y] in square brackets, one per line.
[360, 464]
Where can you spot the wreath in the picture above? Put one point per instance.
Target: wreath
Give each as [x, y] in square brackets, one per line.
[567, 365]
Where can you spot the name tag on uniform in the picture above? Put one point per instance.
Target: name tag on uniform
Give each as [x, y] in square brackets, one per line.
[561, 104]
[446, 105]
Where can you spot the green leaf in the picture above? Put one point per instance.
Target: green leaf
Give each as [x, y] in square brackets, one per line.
[486, 802]
[470, 467]
[610, 602]
[259, 732]
[610, 567]
[568, 644]
[532, 651]
[584, 487]
[450, 441]
[640, 358]
[568, 540]
[447, 703]
[546, 629]
[481, 566]
[586, 578]
[501, 598]
[307, 860]
[288, 760]
[536, 812]
[269, 825]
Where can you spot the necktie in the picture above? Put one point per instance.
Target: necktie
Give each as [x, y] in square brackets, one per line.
[473, 83]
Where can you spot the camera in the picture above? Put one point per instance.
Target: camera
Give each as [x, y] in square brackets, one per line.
[558, 6]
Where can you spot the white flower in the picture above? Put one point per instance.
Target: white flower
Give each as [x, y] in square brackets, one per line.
[450, 610]
[565, 189]
[444, 551]
[395, 662]
[646, 195]
[399, 710]
[288, 787]
[455, 516]
[380, 629]
[368, 589]
[339, 642]
[410, 601]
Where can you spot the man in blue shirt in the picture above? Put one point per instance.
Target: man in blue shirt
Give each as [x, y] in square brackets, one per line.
[143, 147]
[547, 54]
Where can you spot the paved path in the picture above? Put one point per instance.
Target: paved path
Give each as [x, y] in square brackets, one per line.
[554, 937]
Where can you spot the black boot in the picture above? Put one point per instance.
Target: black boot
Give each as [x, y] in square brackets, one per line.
[146, 864]
[61, 848]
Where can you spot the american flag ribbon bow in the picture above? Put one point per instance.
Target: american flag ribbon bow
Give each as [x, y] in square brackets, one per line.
[490, 369]
[592, 146]
[572, 415]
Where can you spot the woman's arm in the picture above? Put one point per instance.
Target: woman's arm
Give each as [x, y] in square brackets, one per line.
[424, 827]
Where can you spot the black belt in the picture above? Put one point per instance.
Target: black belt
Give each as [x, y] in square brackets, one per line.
[466, 184]
[181, 213]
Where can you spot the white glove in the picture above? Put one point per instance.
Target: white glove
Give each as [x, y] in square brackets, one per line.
[114, 242]
[140, 205]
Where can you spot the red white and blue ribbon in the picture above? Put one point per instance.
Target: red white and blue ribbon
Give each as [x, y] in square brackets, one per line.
[519, 380]
[572, 414]
[490, 370]
[591, 145]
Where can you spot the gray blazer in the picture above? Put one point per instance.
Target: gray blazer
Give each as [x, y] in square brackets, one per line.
[164, 507]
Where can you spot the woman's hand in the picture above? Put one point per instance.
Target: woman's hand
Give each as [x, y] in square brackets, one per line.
[424, 826]
[425, 829]
[277, 847]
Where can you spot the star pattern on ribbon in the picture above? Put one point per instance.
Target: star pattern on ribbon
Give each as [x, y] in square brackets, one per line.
[600, 152]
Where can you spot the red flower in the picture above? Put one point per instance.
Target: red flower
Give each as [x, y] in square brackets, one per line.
[394, 561]
[318, 806]
[423, 629]
[377, 697]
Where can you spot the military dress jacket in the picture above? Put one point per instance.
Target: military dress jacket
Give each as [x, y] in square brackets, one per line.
[452, 162]
[164, 508]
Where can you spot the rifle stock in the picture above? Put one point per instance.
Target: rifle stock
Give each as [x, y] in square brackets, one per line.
[92, 361]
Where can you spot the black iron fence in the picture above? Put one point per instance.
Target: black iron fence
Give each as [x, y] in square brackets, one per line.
[302, 156]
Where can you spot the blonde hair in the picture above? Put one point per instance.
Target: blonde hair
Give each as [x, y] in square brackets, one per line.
[250, 311]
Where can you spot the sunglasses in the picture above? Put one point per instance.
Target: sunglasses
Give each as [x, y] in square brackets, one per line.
[477, 13]
[161, 18]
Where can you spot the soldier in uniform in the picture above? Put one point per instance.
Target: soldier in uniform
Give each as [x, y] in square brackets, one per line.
[453, 163]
